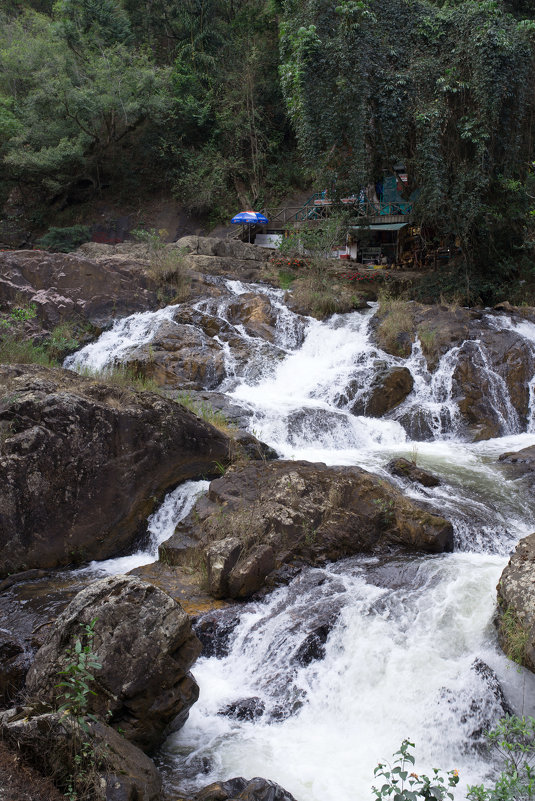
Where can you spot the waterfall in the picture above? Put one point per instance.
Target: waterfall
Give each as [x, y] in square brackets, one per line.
[409, 648]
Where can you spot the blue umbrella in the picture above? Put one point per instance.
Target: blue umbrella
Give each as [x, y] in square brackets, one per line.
[250, 218]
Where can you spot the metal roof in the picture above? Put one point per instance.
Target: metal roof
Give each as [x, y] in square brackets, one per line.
[387, 227]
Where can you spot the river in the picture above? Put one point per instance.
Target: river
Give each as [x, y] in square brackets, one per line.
[411, 650]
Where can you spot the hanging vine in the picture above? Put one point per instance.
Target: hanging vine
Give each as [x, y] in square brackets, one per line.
[444, 88]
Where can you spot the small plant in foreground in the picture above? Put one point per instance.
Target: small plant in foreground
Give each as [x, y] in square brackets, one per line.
[77, 676]
[75, 688]
[513, 740]
[401, 785]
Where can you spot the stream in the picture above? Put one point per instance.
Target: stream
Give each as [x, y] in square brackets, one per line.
[411, 650]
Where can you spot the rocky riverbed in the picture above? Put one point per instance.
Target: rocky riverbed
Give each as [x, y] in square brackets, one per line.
[363, 470]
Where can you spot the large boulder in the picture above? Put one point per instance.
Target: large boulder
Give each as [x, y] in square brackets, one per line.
[259, 516]
[179, 357]
[83, 463]
[189, 351]
[145, 645]
[222, 248]
[516, 605]
[229, 257]
[256, 315]
[387, 389]
[240, 789]
[97, 763]
[491, 383]
[410, 470]
[73, 286]
[522, 461]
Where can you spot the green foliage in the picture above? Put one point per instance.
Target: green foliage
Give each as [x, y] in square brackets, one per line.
[64, 240]
[513, 742]
[93, 91]
[77, 676]
[75, 691]
[15, 350]
[75, 92]
[151, 237]
[514, 636]
[62, 341]
[315, 242]
[228, 134]
[21, 314]
[286, 278]
[399, 784]
[443, 88]
[206, 411]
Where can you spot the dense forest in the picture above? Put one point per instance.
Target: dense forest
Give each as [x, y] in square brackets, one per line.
[238, 102]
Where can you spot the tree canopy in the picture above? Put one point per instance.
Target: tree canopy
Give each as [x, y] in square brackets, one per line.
[445, 89]
[211, 96]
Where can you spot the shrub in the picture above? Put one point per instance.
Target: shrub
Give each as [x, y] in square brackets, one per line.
[396, 325]
[167, 263]
[15, 350]
[513, 741]
[64, 240]
[401, 785]
[62, 341]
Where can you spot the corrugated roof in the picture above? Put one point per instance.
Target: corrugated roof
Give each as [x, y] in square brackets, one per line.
[386, 227]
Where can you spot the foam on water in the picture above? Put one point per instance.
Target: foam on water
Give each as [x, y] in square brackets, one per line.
[112, 345]
[160, 526]
[398, 663]
[405, 633]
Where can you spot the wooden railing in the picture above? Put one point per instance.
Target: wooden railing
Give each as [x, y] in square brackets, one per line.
[321, 208]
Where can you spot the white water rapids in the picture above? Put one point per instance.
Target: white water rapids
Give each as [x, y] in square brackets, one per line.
[408, 636]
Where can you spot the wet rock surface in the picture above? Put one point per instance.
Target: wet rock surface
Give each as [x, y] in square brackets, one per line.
[262, 515]
[245, 709]
[516, 604]
[186, 586]
[255, 314]
[522, 461]
[240, 789]
[479, 711]
[188, 352]
[312, 648]
[490, 383]
[389, 387]
[492, 365]
[84, 463]
[144, 642]
[215, 630]
[29, 605]
[410, 470]
[179, 356]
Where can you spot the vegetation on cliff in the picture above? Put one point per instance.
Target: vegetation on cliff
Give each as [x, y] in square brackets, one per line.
[206, 96]
[94, 93]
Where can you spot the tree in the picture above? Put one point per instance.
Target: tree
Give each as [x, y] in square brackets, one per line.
[72, 105]
[446, 89]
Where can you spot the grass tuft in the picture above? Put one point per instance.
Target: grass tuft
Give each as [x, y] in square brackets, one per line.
[396, 329]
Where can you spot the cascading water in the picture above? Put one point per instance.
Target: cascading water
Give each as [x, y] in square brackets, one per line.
[408, 646]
